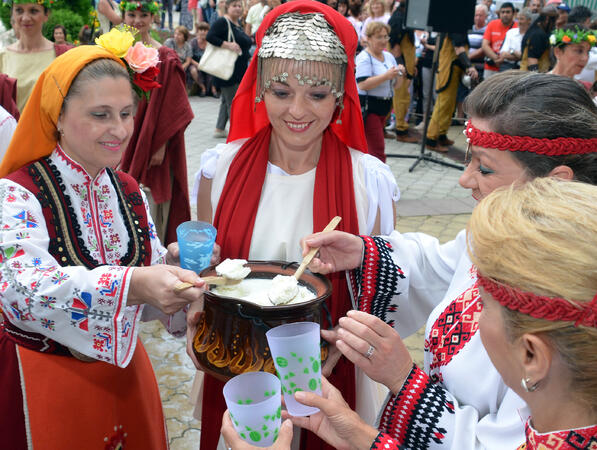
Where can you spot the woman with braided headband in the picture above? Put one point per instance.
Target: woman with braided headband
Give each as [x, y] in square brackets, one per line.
[539, 326]
[523, 126]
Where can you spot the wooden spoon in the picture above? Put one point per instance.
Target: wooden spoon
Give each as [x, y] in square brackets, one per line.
[217, 281]
[276, 300]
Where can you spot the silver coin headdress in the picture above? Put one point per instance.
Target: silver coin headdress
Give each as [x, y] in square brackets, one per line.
[304, 46]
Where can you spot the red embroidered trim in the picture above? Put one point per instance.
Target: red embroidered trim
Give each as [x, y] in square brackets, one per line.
[370, 265]
[550, 147]
[540, 307]
[385, 442]
[578, 439]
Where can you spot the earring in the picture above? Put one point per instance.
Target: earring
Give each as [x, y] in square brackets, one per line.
[60, 131]
[525, 383]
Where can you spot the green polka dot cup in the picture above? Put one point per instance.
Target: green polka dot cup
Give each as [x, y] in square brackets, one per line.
[254, 404]
[295, 348]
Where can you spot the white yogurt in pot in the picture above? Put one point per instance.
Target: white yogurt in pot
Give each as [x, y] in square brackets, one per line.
[255, 290]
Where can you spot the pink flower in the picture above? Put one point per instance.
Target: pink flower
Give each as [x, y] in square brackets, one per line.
[140, 58]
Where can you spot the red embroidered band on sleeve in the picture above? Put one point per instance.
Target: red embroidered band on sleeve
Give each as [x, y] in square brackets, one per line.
[412, 416]
[385, 442]
[378, 279]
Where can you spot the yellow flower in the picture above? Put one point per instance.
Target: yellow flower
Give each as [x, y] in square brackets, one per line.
[591, 38]
[116, 42]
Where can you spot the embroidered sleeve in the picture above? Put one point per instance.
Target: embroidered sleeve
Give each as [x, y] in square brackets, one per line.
[404, 276]
[424, 415]
[384, 442]
[79, 308]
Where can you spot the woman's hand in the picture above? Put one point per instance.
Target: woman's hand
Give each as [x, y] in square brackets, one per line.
[334, 355]
[392, 73]
[389, 362]
[232, 46]
[338, 251]
[154, 285]
[401, 70]
[173, 255]
[216, 255]
[234, 441]
[472, 72]
[158, 157]
[336, 423]
[193, 318]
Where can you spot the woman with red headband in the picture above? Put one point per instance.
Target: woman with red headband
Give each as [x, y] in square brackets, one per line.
[539, 326]
[459, 400]
[295, 158]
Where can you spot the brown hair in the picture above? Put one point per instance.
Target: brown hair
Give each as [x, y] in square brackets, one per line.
[375, 27]
[540, 238]
[184, 31]
[539, 105]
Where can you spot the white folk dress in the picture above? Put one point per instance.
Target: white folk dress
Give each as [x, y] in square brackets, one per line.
[459, 400]
[285, 215]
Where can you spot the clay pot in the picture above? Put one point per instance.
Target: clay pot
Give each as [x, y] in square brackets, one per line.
[231, 338]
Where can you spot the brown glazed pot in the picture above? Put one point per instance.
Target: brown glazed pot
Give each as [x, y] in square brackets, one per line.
[231, 338]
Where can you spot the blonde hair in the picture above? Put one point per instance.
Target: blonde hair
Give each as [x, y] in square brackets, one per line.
[540, 238]
[375, 27]
[371, 3]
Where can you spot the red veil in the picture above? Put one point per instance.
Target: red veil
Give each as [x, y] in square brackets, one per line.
[333, 193]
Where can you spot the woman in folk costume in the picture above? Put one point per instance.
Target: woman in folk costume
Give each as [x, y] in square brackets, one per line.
[79, 264]
[156, 155]
[295, 158]
[539, 326]
[458, 400]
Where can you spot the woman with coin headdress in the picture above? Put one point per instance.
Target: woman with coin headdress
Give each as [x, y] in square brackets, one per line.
[295, 158]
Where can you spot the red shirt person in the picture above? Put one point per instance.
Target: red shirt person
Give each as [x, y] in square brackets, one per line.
[493, 38]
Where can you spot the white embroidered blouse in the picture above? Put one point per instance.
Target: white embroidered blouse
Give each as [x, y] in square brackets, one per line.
[85, 310]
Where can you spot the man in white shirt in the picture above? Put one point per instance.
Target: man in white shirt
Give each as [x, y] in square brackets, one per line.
[255, 17]
[511, 51]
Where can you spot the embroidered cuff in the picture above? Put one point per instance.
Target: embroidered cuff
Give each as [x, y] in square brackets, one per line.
[384, 442]
[412, 416]
[378, 279]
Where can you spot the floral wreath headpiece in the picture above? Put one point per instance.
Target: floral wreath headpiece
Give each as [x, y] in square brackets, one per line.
[141, 61]
[561, 37]
[152, 7]
[551, 147]
[541, 307]
[48, 4]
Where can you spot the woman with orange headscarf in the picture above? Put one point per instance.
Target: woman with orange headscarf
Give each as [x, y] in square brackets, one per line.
[74, 236]
[295, 158]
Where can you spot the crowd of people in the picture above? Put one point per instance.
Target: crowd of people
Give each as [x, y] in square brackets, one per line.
[93, 184]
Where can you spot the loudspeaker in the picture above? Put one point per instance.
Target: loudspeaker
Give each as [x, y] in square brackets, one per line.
[453, 16]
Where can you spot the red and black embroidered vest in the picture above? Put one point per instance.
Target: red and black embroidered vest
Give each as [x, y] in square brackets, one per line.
[43, 180]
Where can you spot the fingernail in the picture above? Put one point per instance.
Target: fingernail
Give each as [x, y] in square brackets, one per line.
[352, 312]
[300, 395]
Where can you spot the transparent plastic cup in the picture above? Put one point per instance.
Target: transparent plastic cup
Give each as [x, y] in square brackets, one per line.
[254, 404]
[295, 348]
[196, 243]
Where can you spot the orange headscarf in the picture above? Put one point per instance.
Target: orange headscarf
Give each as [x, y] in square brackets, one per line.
[35, 135]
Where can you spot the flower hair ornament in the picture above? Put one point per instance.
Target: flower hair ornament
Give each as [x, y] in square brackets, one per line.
[562, 37]
[542, 146]
[151, 7]
[48, 4]
[541, 307]
[141, 61]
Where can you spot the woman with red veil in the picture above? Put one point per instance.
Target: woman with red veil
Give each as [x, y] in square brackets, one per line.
[295, 158]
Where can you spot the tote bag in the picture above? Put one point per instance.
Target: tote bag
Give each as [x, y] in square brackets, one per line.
[218, 61]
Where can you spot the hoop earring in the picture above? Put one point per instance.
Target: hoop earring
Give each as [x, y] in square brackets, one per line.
[525, 384]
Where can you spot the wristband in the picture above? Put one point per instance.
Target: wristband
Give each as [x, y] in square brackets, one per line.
[464, 60]
[534, 68]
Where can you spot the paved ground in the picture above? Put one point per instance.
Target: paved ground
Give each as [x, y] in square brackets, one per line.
[431, 202]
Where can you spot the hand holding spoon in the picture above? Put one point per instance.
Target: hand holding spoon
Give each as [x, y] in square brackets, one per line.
[284, 288]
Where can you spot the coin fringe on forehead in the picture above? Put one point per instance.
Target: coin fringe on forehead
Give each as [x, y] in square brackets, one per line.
[303, 46]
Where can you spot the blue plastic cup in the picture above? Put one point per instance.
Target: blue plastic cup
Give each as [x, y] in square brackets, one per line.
[196, 243]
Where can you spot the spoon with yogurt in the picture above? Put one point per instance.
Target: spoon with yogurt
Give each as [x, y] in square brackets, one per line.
[230, 271]
[284, 288]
